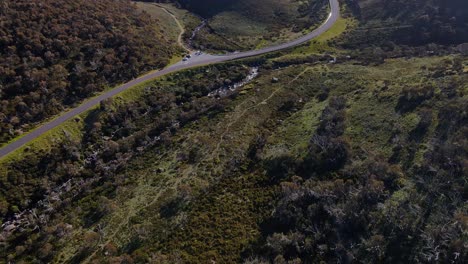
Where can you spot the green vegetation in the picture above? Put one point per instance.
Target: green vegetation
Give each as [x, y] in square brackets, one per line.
[76, 160]
[72, 129]
[207, 190]
[321, 44]
[358, 159]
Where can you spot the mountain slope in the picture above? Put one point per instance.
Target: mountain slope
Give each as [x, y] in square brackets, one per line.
[56, 53]
[342, 155]
[244, 24]
[415, 22]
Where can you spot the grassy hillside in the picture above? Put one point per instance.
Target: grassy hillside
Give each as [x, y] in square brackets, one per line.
[245, 24]
[359, 159]
[199, 182]
[56, 53]
[175, 22]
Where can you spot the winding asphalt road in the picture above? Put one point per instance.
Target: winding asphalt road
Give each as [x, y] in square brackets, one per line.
[200, 60]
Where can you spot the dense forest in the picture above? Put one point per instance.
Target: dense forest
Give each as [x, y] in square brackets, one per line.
[56, 53]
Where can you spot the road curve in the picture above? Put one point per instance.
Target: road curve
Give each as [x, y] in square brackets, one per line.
[200, 60]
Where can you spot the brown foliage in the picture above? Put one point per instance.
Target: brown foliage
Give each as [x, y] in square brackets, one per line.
[56, 53]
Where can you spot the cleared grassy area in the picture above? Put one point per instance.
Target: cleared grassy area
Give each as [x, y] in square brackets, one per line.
[244, 25]
[372, 94]
[186, 18]
[179, 22]
[341, 25]
[173, 23]
[320, 44]
[168, 25]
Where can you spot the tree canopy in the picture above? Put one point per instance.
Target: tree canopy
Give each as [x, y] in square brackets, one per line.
[56, 53]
